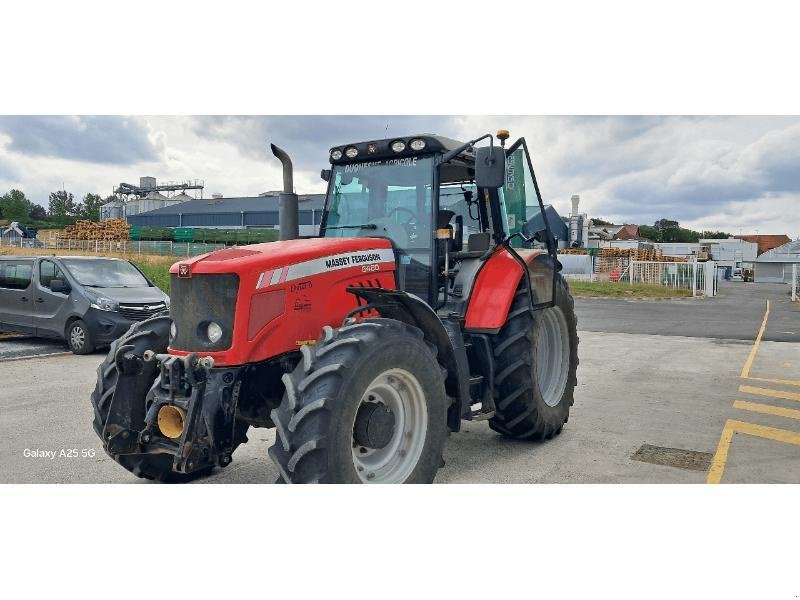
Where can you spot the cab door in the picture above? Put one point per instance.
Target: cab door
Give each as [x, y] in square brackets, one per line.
[16, 287]
[49, 306]
[528, 219]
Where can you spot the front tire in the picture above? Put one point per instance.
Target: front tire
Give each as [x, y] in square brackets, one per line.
[79, 338]
[536, 360]
[366, 404]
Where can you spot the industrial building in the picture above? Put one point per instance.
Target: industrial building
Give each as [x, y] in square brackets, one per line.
[149, 195]
[231, 213]
[775, 265]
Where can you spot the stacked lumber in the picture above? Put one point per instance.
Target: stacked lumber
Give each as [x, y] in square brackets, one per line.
[111, 230]
[619, 258]
[573, 251]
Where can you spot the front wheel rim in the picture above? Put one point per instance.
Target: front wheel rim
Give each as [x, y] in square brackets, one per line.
[77, 337]
[552, 355]
[400, 392]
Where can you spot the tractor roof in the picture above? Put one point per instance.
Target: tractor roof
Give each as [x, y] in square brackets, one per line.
[382, 149]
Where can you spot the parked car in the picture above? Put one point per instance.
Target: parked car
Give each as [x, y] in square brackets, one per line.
[88, 301]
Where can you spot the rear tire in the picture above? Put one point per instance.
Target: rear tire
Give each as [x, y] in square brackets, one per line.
[79, 338]
[362, 369]
[535, 375]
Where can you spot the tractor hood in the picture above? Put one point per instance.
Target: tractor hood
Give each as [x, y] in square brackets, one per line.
[330, 253]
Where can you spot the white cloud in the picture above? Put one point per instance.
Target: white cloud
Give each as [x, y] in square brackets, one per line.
[706, 172]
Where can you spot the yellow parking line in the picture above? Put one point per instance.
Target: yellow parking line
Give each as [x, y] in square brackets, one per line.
[793, 382]
[749, 389]
[754, 350]
[767, 409]
[731, 427]
[720, 456]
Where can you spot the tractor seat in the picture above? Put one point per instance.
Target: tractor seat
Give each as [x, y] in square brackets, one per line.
[478, 244]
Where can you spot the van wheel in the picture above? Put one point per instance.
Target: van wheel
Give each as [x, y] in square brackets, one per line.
[79, 339]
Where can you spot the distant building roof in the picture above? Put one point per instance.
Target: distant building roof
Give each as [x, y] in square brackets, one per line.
[236, 205]
[627, 232]
[766, 242]
[789, 252]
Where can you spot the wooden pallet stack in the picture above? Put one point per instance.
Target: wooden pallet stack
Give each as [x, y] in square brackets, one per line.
[111, 230]
[573, 251]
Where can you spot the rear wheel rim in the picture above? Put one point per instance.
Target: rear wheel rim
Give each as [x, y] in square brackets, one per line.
[400, 392]
[552, 355]
[77, 337]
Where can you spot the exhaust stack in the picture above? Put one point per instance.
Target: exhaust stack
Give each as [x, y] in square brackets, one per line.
[288, 210]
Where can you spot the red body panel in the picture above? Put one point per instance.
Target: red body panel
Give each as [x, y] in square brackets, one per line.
[312, 273]
[494, 289]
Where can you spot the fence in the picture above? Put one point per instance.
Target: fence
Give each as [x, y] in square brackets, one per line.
[795, 281]
[700, 278]
[122, 247]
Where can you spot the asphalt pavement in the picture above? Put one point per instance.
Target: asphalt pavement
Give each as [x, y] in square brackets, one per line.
[661, 398]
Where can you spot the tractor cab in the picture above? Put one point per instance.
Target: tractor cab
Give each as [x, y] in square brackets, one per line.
[433, 198]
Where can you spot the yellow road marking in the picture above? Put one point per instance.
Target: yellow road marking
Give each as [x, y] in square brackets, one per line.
[720, 456]
[793, 382]
[767, 409]
[749, 389]
[754, 350]
[731, 427]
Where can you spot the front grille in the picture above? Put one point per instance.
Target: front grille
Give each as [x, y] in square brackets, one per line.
[198, 300]
[140, 312]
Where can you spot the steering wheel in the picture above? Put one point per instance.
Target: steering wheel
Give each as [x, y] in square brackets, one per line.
[413, 215]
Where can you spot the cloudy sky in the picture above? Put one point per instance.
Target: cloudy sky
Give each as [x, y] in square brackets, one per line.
[730, 173]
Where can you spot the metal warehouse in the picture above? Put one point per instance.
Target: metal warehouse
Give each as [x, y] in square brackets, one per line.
[775, 266]
[243, 212]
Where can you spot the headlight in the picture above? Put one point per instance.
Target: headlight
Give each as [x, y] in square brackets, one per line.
[398, 146]
[173, 331]
[214, 332]
[103, 303]
[417, 144]
[351, 152]
[166, 301]
[336, 154]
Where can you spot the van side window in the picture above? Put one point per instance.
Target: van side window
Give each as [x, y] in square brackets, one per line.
[15, 275]
[49, 271]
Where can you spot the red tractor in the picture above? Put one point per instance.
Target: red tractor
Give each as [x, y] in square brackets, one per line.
[414, 309]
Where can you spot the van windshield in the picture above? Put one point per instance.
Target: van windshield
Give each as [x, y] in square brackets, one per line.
[105, 273]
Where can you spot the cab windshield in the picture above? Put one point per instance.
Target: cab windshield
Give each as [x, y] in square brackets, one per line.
[386, 198]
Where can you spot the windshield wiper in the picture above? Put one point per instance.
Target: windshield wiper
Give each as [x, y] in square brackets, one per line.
[365, 226]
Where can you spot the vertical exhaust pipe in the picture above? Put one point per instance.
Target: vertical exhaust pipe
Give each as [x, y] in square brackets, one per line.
[288, 210]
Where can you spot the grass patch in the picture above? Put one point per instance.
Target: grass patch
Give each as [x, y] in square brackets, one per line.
[610, 289]
[157, 272]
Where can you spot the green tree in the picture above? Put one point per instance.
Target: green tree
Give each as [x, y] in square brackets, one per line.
[61, 204]
[14, 206]
[651, 233]
[600, 222]
[716, 235]
[90, 207]
[37, 212]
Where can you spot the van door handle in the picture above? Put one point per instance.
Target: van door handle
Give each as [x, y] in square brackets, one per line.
[40, 300]
[23, 299]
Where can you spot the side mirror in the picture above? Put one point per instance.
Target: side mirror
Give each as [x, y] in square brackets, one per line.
[325, 174]
[59, 286]
[490, 167]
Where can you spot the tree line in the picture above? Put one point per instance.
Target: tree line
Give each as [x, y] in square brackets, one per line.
[62, 208]
[667, 230]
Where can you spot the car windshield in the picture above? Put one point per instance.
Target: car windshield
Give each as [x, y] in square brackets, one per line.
[387, 198]
[105, 273]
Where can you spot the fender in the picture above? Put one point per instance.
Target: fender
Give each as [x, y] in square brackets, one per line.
[497, 282]
[445, 335]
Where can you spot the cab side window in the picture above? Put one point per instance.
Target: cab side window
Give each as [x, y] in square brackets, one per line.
[15, 275]
[49, 271]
